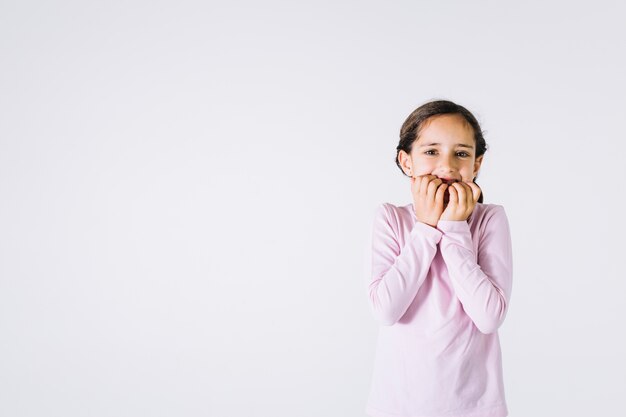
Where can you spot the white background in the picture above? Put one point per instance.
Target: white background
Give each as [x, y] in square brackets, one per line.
[186, 189]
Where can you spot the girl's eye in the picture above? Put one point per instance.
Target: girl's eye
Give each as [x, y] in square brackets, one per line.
[463, 154]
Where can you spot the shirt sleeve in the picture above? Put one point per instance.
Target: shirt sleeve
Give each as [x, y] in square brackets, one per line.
[483, 280]
[398, 272]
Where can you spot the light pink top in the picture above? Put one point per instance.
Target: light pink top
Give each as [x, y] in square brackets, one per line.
[440, 295]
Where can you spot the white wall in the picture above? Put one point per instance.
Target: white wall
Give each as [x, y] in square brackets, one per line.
[185, 189]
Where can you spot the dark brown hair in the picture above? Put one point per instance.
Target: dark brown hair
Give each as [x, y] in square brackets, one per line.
[412, 127]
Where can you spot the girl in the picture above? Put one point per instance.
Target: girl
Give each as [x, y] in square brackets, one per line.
[441, 277]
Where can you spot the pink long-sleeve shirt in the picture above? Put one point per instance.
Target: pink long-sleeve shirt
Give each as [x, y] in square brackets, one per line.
[439, 294]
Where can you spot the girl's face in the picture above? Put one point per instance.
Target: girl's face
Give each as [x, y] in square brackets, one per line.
[445, 148]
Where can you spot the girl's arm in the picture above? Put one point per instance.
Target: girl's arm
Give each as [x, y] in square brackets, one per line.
[397, 273]
[483, 280]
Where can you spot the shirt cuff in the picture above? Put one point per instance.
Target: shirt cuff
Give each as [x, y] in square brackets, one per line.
[431, 234]
[447, 226]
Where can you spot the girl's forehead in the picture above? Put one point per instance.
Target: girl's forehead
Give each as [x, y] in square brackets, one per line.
[446, 128]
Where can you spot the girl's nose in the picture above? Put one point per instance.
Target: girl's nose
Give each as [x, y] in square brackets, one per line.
[447, 164]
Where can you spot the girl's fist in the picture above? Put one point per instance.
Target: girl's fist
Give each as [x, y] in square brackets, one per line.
[463, 198]
[428, 192]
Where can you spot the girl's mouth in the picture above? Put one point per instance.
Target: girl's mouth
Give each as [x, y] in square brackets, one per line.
[446, 193]
[448, 180]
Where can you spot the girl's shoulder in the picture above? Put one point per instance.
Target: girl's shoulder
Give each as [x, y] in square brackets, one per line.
[397, 212]
[487, 216]
[487, 209]
[397, 217]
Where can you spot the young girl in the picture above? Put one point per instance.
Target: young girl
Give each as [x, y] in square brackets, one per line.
[441, 277]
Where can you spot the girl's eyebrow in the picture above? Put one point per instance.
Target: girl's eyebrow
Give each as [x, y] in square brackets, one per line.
[462, 145]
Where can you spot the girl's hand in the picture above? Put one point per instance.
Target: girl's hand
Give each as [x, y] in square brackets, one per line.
[428, 192]
[463, 198]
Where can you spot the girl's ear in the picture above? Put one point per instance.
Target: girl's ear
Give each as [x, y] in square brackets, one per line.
[405, 162]
[477, 164]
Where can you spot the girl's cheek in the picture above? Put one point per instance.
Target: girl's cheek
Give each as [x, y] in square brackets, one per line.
[423, 168]
[467, 177]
